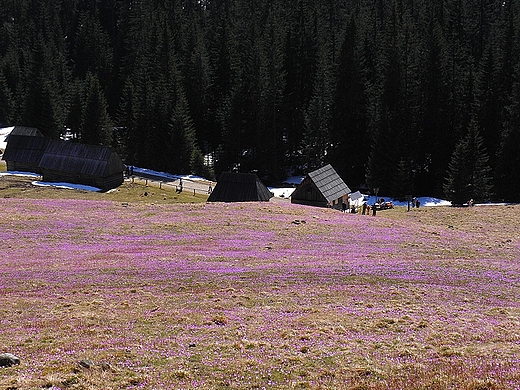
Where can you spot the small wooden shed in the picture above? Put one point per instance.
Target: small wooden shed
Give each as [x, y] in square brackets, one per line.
[24, 149]
[322, 188]
[92, 165]
[239, 187]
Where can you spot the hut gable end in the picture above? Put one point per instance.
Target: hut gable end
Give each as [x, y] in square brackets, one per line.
[24, 149]
[239, 187]
[322, 187]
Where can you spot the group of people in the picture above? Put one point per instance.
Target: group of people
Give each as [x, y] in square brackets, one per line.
[365, 208]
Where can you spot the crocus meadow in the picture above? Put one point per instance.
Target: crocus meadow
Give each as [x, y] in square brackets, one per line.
[258, 295]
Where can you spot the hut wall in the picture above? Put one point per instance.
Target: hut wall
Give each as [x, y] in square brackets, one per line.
[337, 204]
[22, 166]
[103, 183]
[308, 194]
[109, 182]
[239, 187]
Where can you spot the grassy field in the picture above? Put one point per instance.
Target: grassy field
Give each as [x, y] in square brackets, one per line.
[149, 293]
[135, 190]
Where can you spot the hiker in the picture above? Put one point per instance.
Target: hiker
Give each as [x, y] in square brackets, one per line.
[364, 208]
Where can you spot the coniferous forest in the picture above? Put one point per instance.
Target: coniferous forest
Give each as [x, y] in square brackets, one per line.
[410, 97]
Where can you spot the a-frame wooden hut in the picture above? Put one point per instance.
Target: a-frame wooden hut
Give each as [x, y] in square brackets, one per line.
[322, 188]
[24, 149]
[92, 165]
[239, 187]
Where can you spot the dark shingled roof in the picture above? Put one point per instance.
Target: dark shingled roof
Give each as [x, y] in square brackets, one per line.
[239, 187]
[329, 183]
[83, 159]
[28, 131]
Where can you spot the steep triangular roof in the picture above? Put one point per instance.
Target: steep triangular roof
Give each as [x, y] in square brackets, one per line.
[329, 183]
[239, 187]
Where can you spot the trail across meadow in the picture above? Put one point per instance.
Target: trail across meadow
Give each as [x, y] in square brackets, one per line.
[258, 295]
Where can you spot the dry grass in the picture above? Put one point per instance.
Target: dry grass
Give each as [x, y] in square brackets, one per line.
[238, 296]
[130, 191]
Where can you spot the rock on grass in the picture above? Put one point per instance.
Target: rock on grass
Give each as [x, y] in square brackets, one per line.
[8, 360]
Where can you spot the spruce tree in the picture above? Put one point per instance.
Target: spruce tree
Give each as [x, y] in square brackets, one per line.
[73, 122]
[96, 126]
[317, 134]
[41, 109]
[349, 121]
[508, 156]
[184, 154]
[469, 175]
[127, 120]
[6, 99]
[403, 180]
[300, 64]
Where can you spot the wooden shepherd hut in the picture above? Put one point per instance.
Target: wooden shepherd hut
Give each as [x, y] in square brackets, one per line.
[92, 165]
[239, 187]
[24, 149]
[322, 188]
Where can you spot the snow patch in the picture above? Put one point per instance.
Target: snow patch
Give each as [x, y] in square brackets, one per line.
[68, 186]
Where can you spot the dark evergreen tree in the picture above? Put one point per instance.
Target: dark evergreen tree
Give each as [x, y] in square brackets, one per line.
[96, 125]
[127, 121]
[75, 113]
[469, 175]
[350, 142]
[317, 134]
[43, 106]
[185, 155]
[197, 70]
[403, 180]
[300, 69]
[92, 51]
[6, 99]
[272, 83]
[41, 109]
[434, 136]
[508, 155]
[222, 48]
